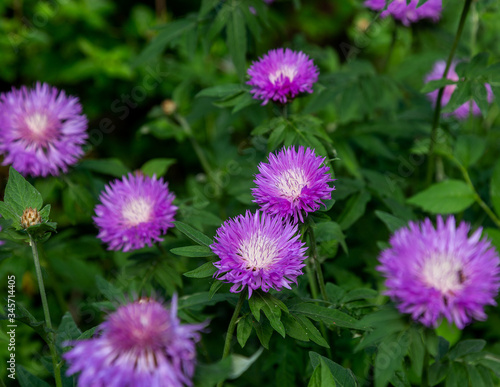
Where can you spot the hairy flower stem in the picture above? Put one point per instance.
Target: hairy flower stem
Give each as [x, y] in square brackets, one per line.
[437, 109]
[46, 312]
[232, 325]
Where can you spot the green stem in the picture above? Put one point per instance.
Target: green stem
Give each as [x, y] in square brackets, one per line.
[425, 369]
[477, 198]
[230, 328]
[437, 110]
[391, 48]
[316, 264]
[196, 146]
[46, 312]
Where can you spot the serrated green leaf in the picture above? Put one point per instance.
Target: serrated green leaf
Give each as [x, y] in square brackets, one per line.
[447, 197]
[343, 376]
[19, 194]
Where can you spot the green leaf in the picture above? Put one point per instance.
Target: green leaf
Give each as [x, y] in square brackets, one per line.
[457, 376]
[27, 379]
[157, 167]
[326, 315]
[354, 209]
[449, 332]
[416, 351]
[437, 372]
[436, 84]
[240, 363]
[322, 377]
[192, 251]
[67, 330]
[495, 188]
[168, 35]
[271, 308]
[311, 331]
[206, 270]
[264, 332]
[343, 377]
[202, 299]
[237, 39]
[111, 167]
[469, 149]
[389, 359]
[465, 347]
[221, 91]
[9, 213]
[475, 377]
[393, 223]
[244, 329]
[447, 197]
[208, 375]
[359, 294]
[214, 288]
[193, 234]
[19, 194]
[327, 231]
[108, 290]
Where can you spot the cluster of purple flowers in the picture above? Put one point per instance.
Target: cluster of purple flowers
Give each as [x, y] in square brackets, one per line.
[407, 13]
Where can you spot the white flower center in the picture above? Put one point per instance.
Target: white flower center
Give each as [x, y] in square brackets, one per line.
[291, 182]
[258, 251]
[286, 71]
[443, 273]
[37, 123]
[137, 211]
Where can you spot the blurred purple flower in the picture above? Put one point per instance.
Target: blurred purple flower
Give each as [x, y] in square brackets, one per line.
[293, 183]
[407, 13]
[42, 130]
[439, 272]
[463, 111]
[135, 212]
[259, 251]
[282, 74]
[140, 344]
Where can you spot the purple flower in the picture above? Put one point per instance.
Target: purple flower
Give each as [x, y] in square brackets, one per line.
[259, 251]
[463, 111]
[439, 272]
[281, 75]
[292, 183]
[42, 131]
[135, 211]
[407, 13]
[140, 344]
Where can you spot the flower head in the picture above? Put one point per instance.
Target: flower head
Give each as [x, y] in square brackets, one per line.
[42, 131]
[259, 251]
[134, 212]
[281, 75]
[408, 13]
[292, 182]
[140, 344]
[463, 111]
[439, 272]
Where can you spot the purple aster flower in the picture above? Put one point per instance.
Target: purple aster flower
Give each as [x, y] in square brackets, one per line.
[140, 344]
[463, 111]
[407, 13]
[42, 131]
[292, 183]
[135, 211]
[259, 251]
[439, 272]
[281, 75]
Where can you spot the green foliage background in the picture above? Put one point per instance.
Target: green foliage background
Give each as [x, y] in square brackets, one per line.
[128, 62]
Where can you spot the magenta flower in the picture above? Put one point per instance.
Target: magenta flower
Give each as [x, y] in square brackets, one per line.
[281, 75]
[42, 131]
[259, 251]
[463, 111]
[140, 344]
[292, 183]
[135, 212]
[407, 13]
[439, 272]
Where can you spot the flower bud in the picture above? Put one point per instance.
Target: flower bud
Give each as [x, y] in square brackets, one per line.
[30, 217]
